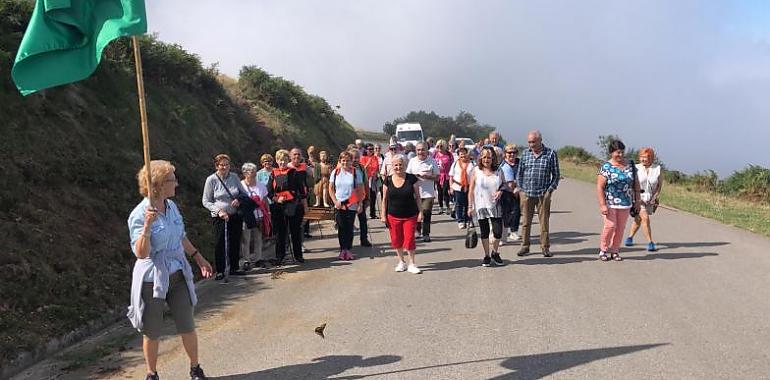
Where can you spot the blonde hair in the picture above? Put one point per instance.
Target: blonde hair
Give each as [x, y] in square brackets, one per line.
[266, 157]
[159, 169]
[281, 154]
[441, 142]
[512, 147]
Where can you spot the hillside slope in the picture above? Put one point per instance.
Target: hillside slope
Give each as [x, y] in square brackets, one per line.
[70, 156]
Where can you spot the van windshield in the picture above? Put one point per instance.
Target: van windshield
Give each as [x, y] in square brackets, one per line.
[409, 135]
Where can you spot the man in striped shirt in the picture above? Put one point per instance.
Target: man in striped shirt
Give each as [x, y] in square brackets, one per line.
[538, 177]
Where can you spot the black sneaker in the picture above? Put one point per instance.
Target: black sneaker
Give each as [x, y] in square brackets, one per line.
[496, 259]
[152, 376]
[219, 276]
[426, 239]
[196, 373]
[547, 253]
[308, 236]
[486, 262]
[366, 243]
[523, 252]
[299, 260]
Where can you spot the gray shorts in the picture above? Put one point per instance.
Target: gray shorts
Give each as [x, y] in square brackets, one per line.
[178, 300]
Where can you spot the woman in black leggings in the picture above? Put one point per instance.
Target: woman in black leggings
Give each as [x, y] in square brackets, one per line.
[484, 192]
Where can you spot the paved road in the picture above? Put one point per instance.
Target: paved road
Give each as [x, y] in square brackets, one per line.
[695, 310]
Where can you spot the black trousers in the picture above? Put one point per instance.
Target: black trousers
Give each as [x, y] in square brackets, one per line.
[373, 202]
[234, 228]
[442, 191]
[283, 226]
[363, 227]
[345, 220]
[497, 228]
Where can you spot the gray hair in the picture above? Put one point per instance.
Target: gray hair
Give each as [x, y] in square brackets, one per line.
[399, 157]
[536, 133]
[248, 167]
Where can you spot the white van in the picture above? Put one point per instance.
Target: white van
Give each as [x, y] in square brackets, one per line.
[409, 133]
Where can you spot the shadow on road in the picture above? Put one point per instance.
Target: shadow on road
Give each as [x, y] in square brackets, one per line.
[694, 244]
[319, 368]
[524, 367]
[670, 256]
[569, 237]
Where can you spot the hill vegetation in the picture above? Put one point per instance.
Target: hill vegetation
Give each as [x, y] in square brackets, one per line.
[70, 155]
[462, 125]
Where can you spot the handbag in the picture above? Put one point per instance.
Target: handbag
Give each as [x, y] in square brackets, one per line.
[246, 207]
[633, 211]
[471, 238]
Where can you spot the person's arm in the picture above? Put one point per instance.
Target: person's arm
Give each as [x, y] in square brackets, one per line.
[208, 196]
[360, 187]
[555, 172]
[637, 189]
[384, 205]
[471, 199]
[601, 183]
[194, 254]
[141, 232]
[417, 199]
[333, 190]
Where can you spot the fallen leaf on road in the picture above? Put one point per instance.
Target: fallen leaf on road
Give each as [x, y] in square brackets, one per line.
[277, 275]
[320, 330]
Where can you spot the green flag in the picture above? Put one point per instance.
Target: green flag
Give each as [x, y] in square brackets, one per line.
[65, 39]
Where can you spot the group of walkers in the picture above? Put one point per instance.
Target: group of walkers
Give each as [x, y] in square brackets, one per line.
[487, 185]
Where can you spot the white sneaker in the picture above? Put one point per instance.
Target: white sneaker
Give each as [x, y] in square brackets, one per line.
[413, 269]
[461, 226]
[514, 236]
[401, 266]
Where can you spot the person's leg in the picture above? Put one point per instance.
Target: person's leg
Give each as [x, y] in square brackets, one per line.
[341, 237]
[150, 349]
[427, 207]
[350, 220]
[461, 206]
[635, 226]
[497, 232]
[295, 230]
[152, 321]
[373, 202]
[544, 214]
[484, 235]
[621, 217]
[645, 217]
[180, 305]
[246, 240]
[259, 244]
[608, 231]
[363, 226]
[516, 210]
[440, 196]
[281, 230]
[409, 243]
[528, 210]
[234, 229]
[219, 244]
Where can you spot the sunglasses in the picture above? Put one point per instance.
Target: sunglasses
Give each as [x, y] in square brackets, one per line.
[512, 152]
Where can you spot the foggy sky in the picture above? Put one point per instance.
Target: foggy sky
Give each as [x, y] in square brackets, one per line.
[690, 78]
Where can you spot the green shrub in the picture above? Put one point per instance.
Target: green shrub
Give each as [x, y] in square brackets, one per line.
[752, 182]
[577, 155]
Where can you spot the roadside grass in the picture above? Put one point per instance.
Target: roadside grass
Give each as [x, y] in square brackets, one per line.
[752, 216]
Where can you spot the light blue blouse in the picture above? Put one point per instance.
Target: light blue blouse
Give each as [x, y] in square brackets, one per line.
[166, 257]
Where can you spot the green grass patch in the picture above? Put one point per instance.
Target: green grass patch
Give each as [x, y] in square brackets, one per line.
[752, 216]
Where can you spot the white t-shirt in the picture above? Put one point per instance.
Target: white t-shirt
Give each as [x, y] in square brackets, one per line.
[344, 184]
[418, 167]
[486, 186]
[648, 180]
[455, 173]
[260, 190]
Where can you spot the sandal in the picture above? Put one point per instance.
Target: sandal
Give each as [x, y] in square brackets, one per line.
[603, 257]
[616, 257]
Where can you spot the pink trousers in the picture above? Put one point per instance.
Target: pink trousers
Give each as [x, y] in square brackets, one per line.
[614, 227]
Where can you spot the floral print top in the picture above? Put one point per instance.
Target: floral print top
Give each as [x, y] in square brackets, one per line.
[619, 191]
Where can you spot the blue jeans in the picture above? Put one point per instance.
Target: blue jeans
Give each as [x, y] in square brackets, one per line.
[461, 206]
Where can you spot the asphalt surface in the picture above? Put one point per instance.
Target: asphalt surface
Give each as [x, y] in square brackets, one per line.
[696, 309]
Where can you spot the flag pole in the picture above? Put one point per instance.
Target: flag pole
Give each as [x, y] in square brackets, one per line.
[143, 115]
